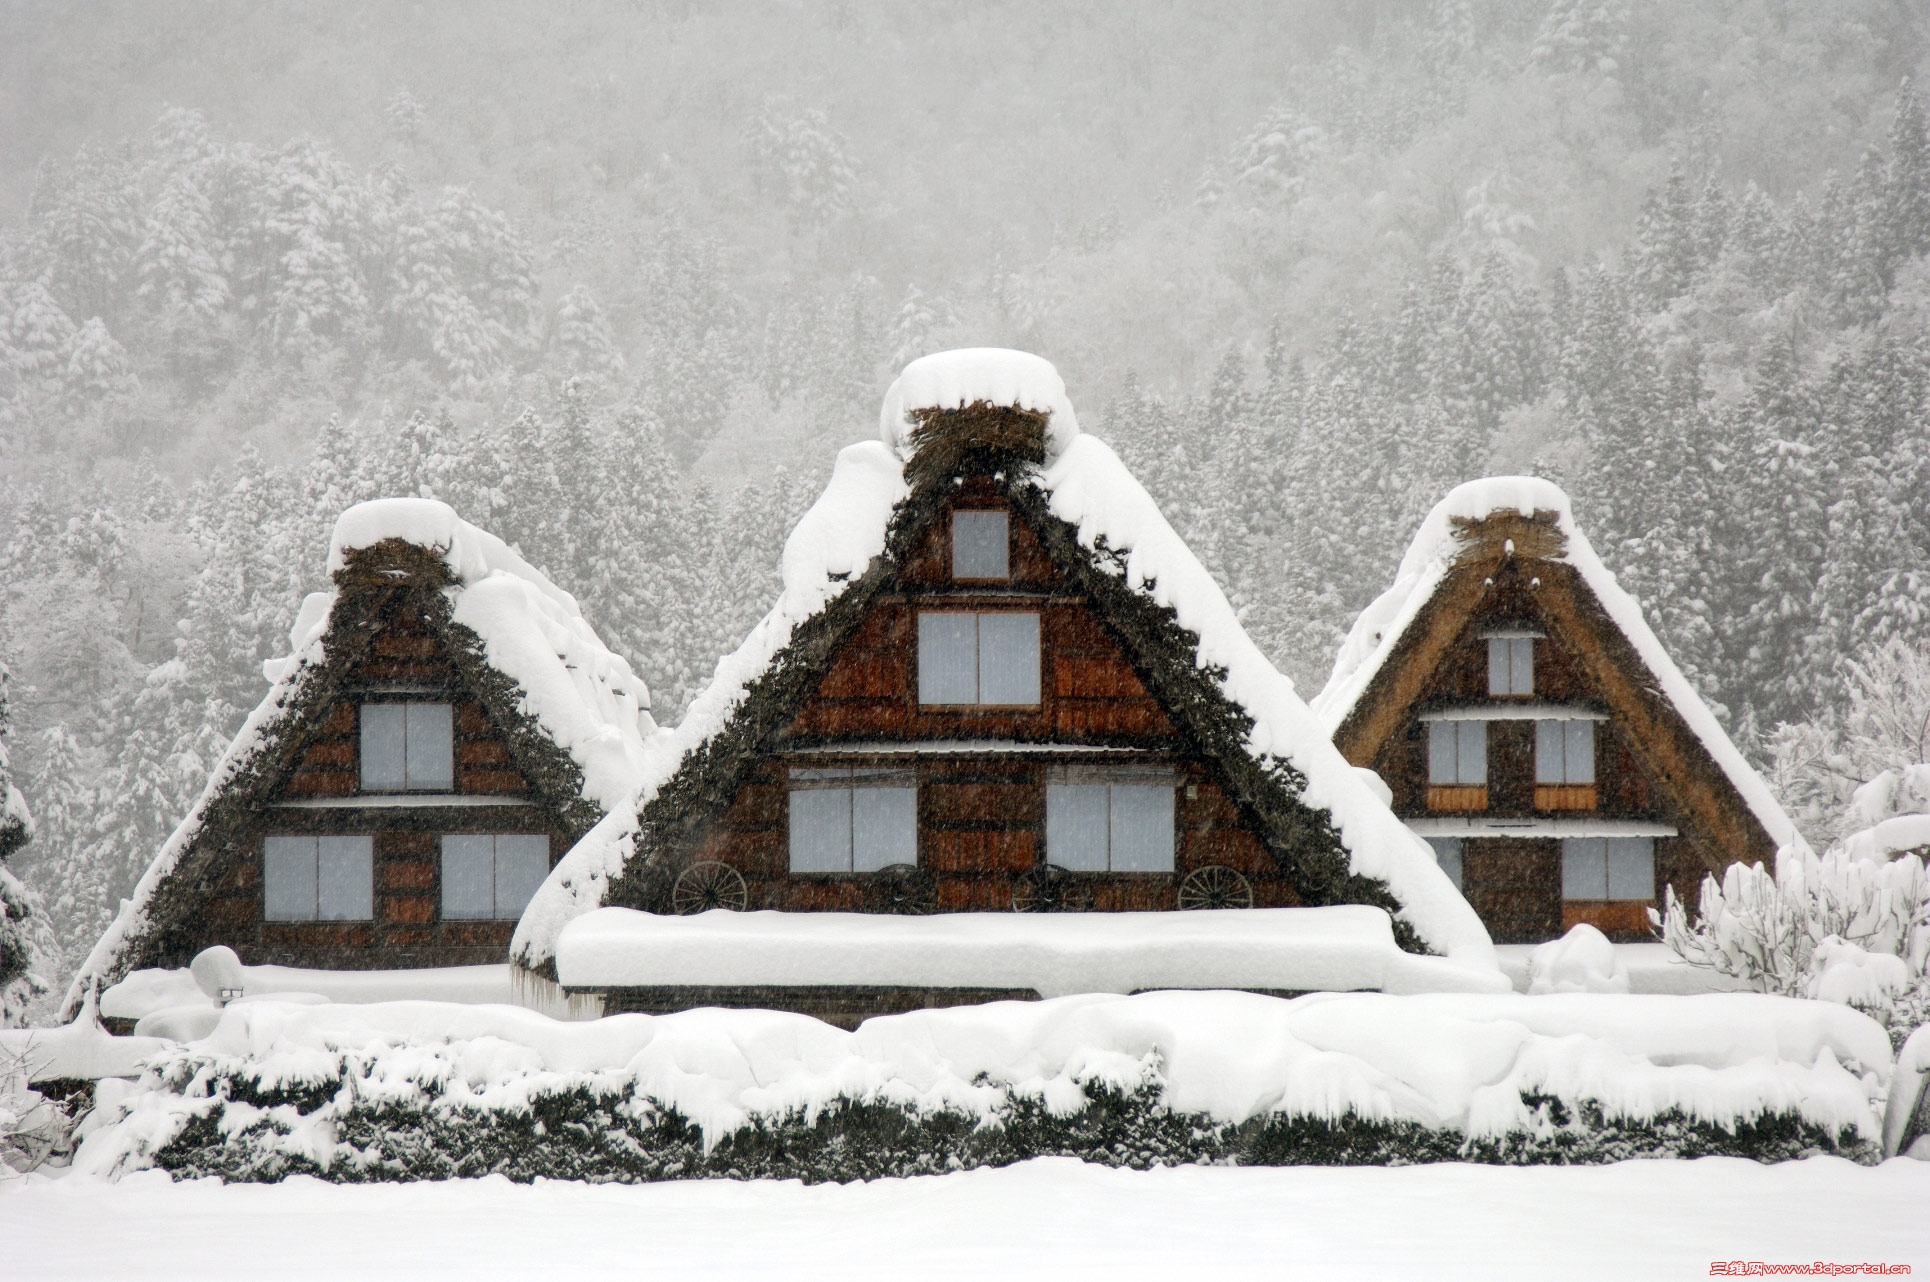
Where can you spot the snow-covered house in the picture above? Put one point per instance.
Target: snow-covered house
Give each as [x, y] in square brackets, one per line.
[444, 727]
[995, 680]
[1532, 728]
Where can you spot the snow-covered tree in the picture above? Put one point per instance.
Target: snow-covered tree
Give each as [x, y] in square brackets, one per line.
[21, 917]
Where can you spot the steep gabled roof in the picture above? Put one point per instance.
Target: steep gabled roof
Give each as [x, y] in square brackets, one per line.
[1397, 639]
[1333, 835]
[573, 713]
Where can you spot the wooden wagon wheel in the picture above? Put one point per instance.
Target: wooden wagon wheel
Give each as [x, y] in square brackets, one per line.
[1215, 886]
[906, 889]
[707, 885]
[1049, 888]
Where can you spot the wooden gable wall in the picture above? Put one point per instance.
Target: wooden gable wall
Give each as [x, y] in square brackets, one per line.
[404, 658]
[1647, 765]
[981, 815]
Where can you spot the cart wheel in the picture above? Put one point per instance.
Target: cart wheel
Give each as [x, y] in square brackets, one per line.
[906, 889]
[1049, 888]
[707, 885]
[1215, 886]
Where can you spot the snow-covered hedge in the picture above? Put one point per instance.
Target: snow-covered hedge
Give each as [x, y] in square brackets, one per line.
[427, 1090]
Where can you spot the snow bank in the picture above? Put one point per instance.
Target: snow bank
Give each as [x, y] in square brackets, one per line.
[994, 375]
[1582, 961]
[1651, 969]
[1470, 1063]
[583, 696]
[1438, 545]
[147, 992]
[1342, 948]
[82, 1050]
[1087, 486]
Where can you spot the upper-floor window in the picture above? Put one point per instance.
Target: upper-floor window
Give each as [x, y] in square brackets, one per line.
[1511, 665]
[408, 747]
[989, 658]
[491, 876]
[1457, 753]
[1113, 821]
[981, 545]
[1608, 868]
[1564, 752]
[310, 878]
[853, 820]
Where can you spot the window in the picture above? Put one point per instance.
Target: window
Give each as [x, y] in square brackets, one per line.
[1608, 868]
[1511, 665]
[1457, 753]
[978, 658]
[1110, 822]
[318, 878]
[1564, 752]
[408, 747]
[491, 877]
[853, 820]
[1447, 853]
[981, 546]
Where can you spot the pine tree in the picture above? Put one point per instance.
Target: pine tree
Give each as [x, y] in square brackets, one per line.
[21, 959]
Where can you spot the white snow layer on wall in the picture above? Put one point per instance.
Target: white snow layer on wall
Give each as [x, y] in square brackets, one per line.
[585, 697]
[1088, 487]
[1443, 1060]
[1437, 546]
[1341, 948]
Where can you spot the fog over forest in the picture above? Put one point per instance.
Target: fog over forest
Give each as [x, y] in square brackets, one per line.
[616, 278]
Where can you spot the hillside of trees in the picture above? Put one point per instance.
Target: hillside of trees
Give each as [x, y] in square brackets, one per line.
[617, 279]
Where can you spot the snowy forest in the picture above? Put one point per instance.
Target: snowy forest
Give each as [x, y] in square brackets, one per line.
[617, 284]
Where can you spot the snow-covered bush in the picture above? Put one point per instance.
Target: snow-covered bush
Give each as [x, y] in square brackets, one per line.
[428, 1091]
[1833, 927]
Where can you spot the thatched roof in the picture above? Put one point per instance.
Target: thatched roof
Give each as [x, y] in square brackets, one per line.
[1456, 553]
[573, 714]
[1005, 416]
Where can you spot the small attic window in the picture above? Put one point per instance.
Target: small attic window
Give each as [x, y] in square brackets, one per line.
[1511, 665]
[408, 747]
[981, 545]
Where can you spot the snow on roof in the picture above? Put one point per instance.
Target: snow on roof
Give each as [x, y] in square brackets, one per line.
[994, 375]
[1344, 947]
[1086, 486]
[585, 698]
[1438, 545]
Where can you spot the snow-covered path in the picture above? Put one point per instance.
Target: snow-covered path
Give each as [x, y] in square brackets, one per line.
[1051, 1217]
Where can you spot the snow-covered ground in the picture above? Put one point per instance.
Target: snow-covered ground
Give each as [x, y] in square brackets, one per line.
[1053, 1217]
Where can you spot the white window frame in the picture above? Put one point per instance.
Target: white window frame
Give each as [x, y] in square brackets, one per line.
[428, 744]
[874, 809]
[504, 901]
[318, 861]
[1466, 766]
[966, 544]
[1565, 752]
[1127, 792]
[1608, 867]
[939, 629]
[1511, 665]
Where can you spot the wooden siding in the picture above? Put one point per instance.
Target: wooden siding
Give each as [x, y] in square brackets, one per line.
[1642, 770]
[981, 818]
[404, 661]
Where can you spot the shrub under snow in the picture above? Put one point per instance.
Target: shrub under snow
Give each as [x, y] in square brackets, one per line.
[426, 1090]
[1834, 927]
